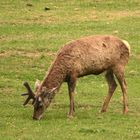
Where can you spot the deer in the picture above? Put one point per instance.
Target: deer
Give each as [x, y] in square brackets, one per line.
[94, 55]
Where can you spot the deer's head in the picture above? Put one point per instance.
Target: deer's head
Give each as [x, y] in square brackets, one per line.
[41, 99]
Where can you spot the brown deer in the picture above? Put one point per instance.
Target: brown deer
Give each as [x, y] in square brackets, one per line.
[85, 56]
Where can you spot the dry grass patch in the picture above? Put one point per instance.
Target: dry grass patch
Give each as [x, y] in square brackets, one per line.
[122, 14]
[138, 56]
[35, 54]
[77, 15]
[93, 15]
[9, 38]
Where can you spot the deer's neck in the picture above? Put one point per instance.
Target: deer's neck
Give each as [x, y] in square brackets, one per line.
[55, 76]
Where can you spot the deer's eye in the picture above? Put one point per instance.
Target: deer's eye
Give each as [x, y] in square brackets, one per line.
[40, 104]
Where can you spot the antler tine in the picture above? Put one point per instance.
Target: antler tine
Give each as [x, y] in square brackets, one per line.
[29, 93]
[28, 87]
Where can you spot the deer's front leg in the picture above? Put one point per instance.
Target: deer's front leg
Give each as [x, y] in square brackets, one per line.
[71, 88]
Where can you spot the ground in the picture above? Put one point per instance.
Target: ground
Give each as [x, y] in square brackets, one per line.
[30, 37]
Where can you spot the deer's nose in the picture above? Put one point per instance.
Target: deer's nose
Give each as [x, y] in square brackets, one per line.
[37, 118]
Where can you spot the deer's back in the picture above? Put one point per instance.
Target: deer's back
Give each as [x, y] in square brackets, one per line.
[93, 55]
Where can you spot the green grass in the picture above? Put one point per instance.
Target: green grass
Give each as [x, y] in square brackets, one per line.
[29, 40]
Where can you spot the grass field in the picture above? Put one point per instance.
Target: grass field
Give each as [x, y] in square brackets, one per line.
[29, 39]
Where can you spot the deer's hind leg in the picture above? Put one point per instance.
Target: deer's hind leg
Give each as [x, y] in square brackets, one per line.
[112, 86]
[119, 73]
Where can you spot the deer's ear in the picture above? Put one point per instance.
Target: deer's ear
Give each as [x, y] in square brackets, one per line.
[37, 84]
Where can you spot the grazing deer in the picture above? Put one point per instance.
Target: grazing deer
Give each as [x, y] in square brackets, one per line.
[85, 56]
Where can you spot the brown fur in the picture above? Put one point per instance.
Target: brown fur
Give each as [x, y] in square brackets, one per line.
[89, 55]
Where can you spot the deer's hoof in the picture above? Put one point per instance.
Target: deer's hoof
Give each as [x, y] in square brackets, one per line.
[70, 116]
[125, 111]
[103, 111]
